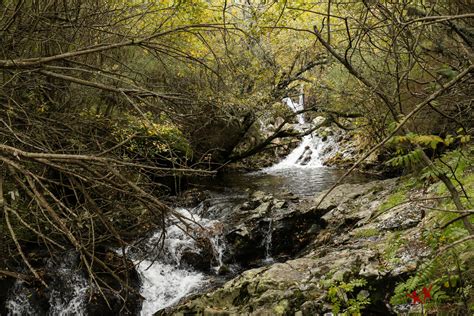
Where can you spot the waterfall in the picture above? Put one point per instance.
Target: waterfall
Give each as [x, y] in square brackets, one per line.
[268, 242]
[67, 293]
[218, 247]
[165, 278]
[307, 154]
[166, 281]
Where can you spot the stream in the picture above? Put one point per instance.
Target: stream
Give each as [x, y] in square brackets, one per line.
[165, 280]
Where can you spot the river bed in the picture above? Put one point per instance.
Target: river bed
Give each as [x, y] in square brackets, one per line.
[165, 280]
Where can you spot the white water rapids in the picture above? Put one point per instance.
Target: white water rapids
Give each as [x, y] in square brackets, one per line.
[68, 292]
[165, 284]
[308, 152]
[165, 281]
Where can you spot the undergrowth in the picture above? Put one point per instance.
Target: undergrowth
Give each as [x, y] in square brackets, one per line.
[449, 273]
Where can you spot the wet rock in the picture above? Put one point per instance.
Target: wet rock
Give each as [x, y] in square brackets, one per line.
[274, 228]
[197, 251]
[327, 150]
[260, 197]
[311, 308]
[193, 197]
[199, 260]
[289, 196]
[223, 270]
[343, 239]
[402, 217]
[279, 204]
[249, 205]
[242, 245]
[344, 194]
[305, 157]
[279, 121]
[261, 210]
[293, 231]
[109, 303]
[318, 120]
[117, 291]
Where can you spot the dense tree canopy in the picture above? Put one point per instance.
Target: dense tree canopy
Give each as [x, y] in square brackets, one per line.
[102, 102]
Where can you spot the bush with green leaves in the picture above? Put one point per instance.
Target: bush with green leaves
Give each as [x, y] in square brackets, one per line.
[409, 147]
[450, 269]
[153, 138]
[348, 297]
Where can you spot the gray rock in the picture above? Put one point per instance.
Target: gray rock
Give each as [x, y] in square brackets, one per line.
[260, 196]
[343, 238]
[279, 204]
[346, 192]
[262, 210]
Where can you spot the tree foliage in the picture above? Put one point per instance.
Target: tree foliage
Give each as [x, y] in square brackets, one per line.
[101, 100]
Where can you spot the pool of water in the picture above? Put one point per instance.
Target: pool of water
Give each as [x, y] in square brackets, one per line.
[303, 182]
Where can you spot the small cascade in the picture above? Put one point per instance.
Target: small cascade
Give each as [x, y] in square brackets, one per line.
[168, 268]
[167, 280]
[73, 304]
[268, 242]
[166, 277]
[163, 285]
[19, 302]
[164, 281]
[307, 154]
[67, 292]
[218, 248]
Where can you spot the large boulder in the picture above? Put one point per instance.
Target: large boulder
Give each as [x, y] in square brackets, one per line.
[268, 228]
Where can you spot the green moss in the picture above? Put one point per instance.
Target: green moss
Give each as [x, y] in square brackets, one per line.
[393, 243]
[394, 200]
[281, 308]
[399, 195]
[405, 185]
[367, 232]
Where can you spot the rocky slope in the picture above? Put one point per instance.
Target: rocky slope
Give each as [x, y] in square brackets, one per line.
[348, 254]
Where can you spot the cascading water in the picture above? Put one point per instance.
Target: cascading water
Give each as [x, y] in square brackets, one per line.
[166, 280]
[67, 292]
[307, 154]
[163, 285]
[218, 247]
[268, 242]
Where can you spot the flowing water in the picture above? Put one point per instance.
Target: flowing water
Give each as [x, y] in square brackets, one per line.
[165, 279]
[67, 292]
[164, 286]
[306, 155]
